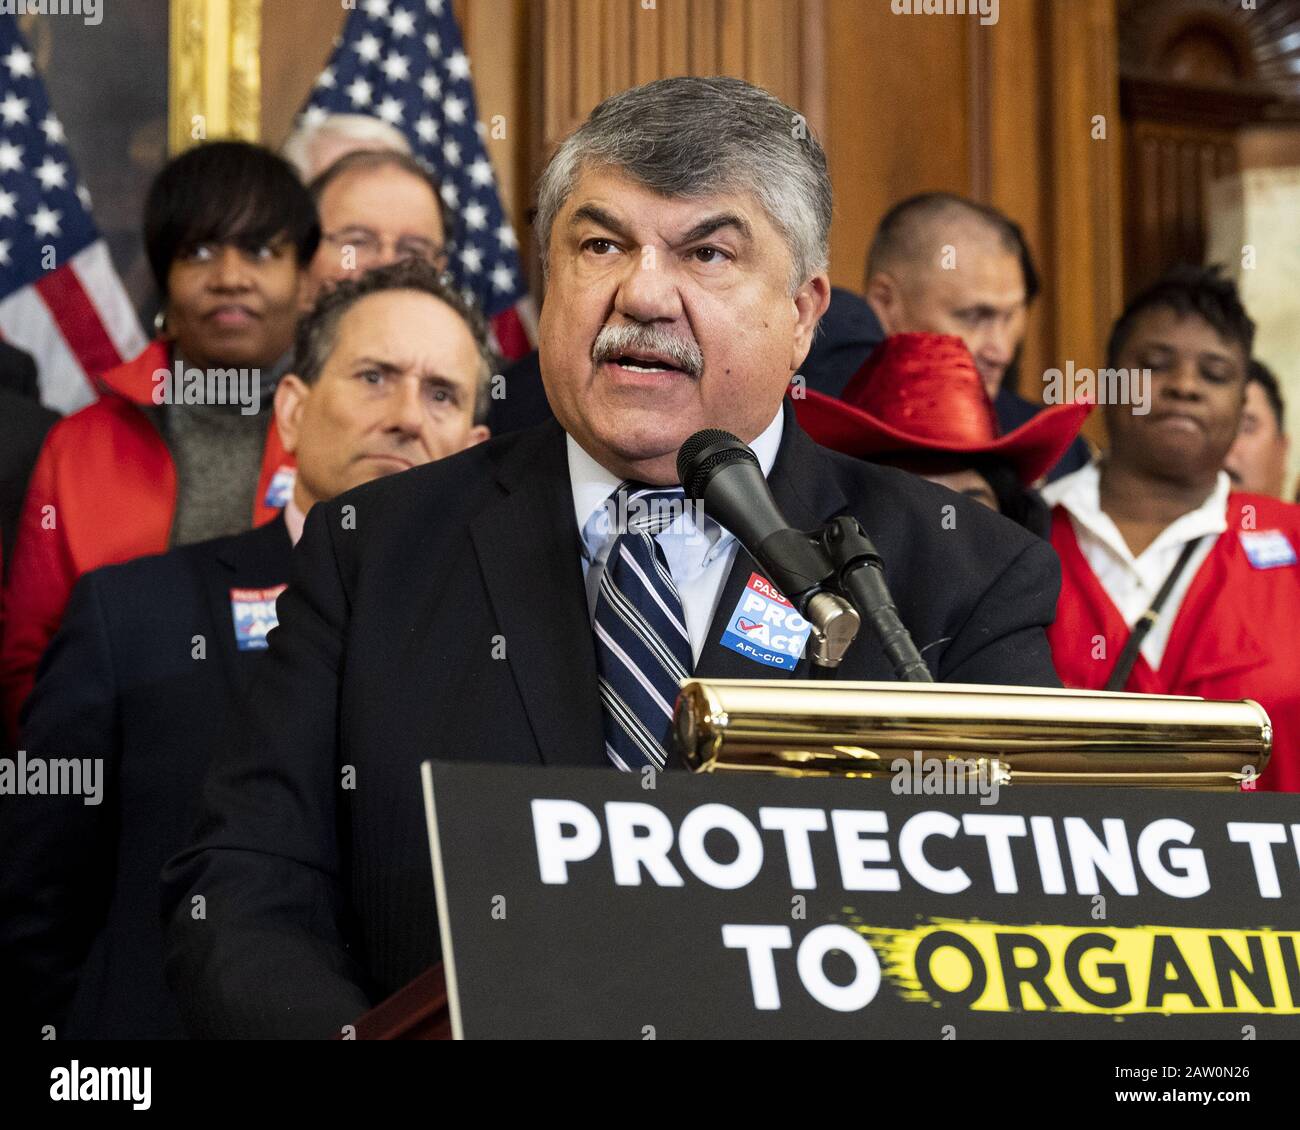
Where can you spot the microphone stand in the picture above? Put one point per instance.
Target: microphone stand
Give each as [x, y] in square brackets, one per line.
[860, 576]
[835, 625]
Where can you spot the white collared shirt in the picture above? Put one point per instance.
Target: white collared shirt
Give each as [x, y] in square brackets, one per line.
[699, 557]
[1133, 582]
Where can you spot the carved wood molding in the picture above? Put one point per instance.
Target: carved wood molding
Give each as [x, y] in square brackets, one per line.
[214, 77]
[591, 49]
[1184, 59]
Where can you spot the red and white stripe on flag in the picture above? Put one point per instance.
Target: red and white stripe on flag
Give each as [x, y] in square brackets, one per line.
[77, 322]
[514, 330]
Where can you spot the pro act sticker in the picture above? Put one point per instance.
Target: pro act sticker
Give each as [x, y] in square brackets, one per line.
[1267, 549]
[253, 611]
[280, 489]
[765, 627]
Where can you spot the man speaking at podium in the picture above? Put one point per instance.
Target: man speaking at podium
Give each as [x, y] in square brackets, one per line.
[485, 609]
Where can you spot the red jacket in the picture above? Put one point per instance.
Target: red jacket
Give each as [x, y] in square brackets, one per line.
[1232, 639]
[103, 491]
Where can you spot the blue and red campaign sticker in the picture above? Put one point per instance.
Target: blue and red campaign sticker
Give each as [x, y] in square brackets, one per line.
[765, 626]
[253, 611]
[1267, 549]
[280, 489]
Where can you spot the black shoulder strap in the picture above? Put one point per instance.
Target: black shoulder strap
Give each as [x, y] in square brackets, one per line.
[1128, 657]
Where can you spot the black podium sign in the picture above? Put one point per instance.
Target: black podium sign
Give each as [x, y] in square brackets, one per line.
[578, 903]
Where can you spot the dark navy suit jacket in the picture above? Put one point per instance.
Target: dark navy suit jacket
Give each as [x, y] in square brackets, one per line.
[312, 853]
[80, 936]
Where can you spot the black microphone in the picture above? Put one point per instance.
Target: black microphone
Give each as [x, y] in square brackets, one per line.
[860, 575]
[721, 472]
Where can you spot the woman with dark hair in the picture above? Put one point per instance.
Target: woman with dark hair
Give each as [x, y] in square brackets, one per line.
[918, 403]
[180, 447]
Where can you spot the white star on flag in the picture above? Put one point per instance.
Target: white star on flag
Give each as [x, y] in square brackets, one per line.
[314, 115]
[13, 109]
[53, 260]
[53, 129]
[83, 194]
[45, 221]
[472, 257]
[368, 48]
[359, 91]
[402, 23]
[458, 65]
[326, 79]
[51, 174]
[404, 63]
[19, 63]
[396, 67]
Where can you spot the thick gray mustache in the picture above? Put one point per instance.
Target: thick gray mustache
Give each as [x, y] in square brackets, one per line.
[614, 341]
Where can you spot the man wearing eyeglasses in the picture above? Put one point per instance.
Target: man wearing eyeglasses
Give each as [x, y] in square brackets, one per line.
[376, 207]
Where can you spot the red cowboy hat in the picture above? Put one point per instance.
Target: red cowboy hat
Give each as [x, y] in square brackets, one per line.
[920, 394]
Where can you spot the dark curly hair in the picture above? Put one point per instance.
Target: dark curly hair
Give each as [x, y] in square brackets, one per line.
[318, 329]
[1203, 291]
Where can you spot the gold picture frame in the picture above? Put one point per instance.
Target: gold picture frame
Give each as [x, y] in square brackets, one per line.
[215, 80]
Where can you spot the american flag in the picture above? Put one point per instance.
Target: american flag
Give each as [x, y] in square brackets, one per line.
[60, 297]
[403, 61]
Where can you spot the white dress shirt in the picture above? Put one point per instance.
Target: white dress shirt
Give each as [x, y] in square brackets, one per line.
[1133, 582]
[699, 557]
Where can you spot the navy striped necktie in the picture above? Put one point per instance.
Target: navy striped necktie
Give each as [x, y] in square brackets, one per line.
[643, 651]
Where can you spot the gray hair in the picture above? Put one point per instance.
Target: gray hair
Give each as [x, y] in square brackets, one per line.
[317, 330]
[299, 148]
[373, 160]
[690, 136]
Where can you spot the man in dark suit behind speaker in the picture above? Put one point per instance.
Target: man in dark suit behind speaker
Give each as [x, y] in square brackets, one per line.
[151, 669]
[487, 608]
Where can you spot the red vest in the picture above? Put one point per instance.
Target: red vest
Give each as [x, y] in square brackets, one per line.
[109, 478]
[1232, 637]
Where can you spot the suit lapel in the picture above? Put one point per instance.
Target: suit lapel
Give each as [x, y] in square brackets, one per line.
[528, 549]
[807, 493]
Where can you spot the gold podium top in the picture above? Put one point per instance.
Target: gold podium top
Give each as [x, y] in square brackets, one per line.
[1034, 734]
